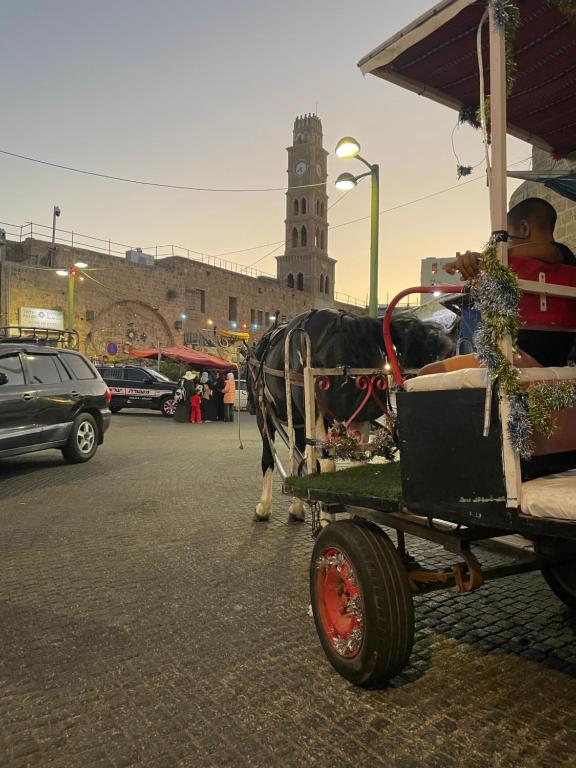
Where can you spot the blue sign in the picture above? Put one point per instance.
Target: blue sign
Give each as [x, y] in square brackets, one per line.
[112, 348]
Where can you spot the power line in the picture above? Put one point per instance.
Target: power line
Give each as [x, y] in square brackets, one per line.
[154, 183]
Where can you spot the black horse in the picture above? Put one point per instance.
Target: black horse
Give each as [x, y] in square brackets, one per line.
[337, 339]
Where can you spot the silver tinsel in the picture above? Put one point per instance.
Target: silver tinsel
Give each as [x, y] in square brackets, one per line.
[520, 427]
[505, 12]
[493, 296]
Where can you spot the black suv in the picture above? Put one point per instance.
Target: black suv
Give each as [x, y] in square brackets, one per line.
[50, 398]
[135, 387]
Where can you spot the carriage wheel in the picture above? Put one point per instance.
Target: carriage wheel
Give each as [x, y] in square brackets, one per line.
[562, 581]
[362, 602]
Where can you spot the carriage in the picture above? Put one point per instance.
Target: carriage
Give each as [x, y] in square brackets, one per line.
[473, 464]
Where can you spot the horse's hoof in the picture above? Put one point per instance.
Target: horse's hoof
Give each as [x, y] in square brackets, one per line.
[293, 518]
[262, 512]
[259, 519]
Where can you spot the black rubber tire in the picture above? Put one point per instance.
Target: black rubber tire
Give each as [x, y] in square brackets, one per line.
[115, 408]
[562, 581]
[163, 402]
[83, 441]
[387, 605]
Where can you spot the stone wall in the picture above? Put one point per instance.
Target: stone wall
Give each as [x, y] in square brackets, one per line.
[566, 209]
[137, 305]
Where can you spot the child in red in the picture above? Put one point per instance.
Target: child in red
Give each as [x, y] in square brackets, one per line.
[195, 413]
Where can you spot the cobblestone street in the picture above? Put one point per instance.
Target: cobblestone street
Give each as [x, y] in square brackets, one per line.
[146, 620]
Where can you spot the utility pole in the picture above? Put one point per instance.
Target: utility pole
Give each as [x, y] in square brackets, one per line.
[4, 283]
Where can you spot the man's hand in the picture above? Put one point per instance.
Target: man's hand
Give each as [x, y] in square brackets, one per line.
[468, 264]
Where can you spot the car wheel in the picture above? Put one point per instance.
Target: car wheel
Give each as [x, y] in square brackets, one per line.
[167, 407]
[83, 441]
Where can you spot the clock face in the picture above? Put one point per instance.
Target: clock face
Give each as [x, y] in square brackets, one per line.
[319, 170]
[301, 168]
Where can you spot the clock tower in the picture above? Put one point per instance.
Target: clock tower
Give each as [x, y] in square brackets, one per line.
[305, 265]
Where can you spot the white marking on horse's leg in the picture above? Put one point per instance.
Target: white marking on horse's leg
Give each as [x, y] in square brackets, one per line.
[326, 465]
[297, 510]
[264, 506]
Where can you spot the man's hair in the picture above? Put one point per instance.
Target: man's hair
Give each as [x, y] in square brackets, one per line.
[536, 211]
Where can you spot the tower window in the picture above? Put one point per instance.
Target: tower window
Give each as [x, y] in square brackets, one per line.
[303, 205]
[303, 237]
[322, 240]
[317, 207]
[300, 281]
[294, 238]
[290, 280]
[317, 239]
[326, 285]
[321, 209]
[232, 308]
[321, 283]
[296, 207]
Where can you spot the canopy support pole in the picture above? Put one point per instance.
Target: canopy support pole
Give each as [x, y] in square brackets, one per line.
[498, 215]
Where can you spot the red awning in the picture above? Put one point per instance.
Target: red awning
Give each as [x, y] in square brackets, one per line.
[194, 358]
[436, 57]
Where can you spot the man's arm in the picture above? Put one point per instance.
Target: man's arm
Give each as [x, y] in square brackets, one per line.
[468, 264]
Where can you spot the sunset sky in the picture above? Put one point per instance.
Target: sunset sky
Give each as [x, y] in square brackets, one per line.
[204, 93]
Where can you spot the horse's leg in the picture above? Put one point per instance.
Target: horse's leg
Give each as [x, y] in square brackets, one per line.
[264, 506]
[297, 510]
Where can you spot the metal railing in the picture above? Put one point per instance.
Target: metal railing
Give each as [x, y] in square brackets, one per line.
[72, 239]
[21, 232]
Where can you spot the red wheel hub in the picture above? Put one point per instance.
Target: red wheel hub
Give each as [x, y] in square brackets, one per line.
[339, 602]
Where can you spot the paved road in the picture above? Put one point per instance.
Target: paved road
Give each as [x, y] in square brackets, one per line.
[146, 620]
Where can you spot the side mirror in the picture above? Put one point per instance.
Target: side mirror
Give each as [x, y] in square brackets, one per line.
[3, 379]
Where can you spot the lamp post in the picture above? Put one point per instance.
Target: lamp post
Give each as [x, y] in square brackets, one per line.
[71, 275]
[55, 213]
[345, 149]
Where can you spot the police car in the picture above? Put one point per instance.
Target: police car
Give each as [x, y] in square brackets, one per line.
[135, 387]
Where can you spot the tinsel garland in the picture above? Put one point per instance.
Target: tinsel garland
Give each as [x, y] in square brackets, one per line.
[496, 294]
[463, 170]
[567, 7]
[343, 445]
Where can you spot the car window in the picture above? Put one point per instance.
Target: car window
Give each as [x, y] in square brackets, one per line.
[43, 369]
[111, 373]
[79, 367]
[135, 374]
[64, 375]
[159, 376]
[242, 385]
[11, 368]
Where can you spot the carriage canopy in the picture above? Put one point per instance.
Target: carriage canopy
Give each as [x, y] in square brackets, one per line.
[436, 57]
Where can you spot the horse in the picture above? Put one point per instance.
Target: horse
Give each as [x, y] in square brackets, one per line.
[337, 339]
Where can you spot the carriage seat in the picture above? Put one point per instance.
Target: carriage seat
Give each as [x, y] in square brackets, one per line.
[563, 439]
[552, 496]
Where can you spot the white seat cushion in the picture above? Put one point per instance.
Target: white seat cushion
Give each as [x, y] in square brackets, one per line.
[475, 378]
[553, 496]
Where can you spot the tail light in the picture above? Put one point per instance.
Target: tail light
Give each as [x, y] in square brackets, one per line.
[108, 396]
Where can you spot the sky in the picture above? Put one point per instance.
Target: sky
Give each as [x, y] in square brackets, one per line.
[205, 93]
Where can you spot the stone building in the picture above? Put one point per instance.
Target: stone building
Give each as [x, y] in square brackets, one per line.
[566, 209]
[176, 300]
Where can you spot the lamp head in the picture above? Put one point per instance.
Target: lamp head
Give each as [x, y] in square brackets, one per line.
[57, 210]
[62, 272]
[347, 147]
[80, 264]
[346, 181]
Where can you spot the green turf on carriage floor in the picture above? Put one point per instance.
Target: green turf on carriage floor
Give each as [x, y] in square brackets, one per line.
[380, 480]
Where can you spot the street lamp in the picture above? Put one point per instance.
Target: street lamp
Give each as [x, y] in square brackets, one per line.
[55, 213]
[71, 275]
[346, 149]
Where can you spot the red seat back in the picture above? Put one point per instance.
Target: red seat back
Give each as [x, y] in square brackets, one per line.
[555, 312]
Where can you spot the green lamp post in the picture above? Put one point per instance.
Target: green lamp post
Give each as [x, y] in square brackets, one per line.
[345, 149]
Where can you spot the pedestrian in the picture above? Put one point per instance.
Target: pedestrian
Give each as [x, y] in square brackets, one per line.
[192, 393]
[229, 393]
[219, 396]
[206, 401]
